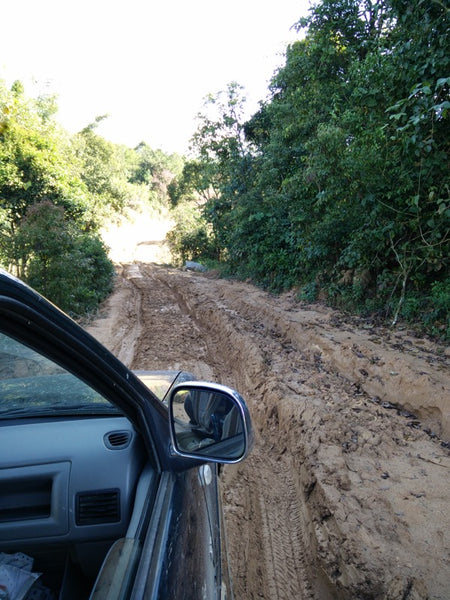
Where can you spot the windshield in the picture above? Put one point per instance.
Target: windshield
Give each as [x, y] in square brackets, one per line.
[31, 385]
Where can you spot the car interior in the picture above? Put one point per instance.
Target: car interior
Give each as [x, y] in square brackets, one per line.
[74, 474]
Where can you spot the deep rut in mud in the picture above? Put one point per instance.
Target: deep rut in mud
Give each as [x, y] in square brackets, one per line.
[346, 492]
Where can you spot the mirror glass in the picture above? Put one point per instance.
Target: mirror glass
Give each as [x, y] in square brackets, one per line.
[207, 423]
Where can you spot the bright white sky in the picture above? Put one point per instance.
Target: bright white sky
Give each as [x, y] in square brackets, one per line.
[147, 63]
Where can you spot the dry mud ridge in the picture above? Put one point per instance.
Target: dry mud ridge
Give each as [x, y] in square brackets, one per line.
[346, 493]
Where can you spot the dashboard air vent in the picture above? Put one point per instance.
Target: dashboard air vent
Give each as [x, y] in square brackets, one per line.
[95, 508]
[117, 440]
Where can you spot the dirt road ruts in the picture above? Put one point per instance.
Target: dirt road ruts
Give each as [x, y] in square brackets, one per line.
[346, 492]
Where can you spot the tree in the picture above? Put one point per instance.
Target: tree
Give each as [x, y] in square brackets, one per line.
[101, 170]
[35, 155]
[340, 181]
[66, 265]
[46, 229]
[220, 172]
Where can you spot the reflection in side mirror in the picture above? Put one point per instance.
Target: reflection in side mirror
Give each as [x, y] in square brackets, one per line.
[209, 421]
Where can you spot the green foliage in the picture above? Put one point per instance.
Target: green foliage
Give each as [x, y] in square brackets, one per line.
[102, 171]
[340, 182]
[55, 192]
[437, 316]
[191, 237]
[192, 184]
[154, 168]
[310, 292]
[34, 154]
[432, 309]
[69, 267]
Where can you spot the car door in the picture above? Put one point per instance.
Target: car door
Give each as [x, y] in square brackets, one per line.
[165, 540]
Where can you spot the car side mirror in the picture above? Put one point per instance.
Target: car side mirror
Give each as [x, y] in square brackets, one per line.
[209, 421]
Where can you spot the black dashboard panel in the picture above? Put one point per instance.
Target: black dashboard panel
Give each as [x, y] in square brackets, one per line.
[68, 480]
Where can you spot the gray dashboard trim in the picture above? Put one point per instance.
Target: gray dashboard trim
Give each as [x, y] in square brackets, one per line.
[57, 521]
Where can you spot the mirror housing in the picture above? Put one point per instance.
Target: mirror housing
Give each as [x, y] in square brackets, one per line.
[209, 422]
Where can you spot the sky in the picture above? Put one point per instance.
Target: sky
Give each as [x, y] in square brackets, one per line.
[147, 64]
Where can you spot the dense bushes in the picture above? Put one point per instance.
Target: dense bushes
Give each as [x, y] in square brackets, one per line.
[65, 264]
[339, 184]
[190, 238]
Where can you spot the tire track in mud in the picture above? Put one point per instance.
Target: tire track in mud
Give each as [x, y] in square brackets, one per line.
[282, 524]
[121, 335]
[265, 526]
[171, 338]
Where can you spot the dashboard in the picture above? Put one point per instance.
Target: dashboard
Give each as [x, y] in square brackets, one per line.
[67, 480]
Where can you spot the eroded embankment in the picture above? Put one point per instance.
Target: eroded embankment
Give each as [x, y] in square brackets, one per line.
[344, 495]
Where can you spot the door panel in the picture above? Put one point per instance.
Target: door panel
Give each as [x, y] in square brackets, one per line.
[181, 554]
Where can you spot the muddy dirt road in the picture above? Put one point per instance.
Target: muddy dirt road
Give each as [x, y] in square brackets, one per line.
[346, 494]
